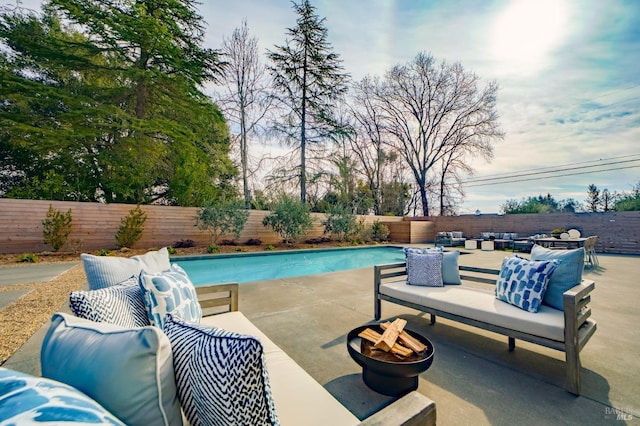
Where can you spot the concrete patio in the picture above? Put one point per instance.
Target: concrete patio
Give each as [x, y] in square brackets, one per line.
[474, 380]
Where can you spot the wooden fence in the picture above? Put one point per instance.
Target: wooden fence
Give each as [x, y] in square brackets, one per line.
[618, 232]
[94, 226]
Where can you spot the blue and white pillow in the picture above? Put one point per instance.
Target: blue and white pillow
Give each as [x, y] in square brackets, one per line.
[523, 282]
[26, 399]
[450, 268]
[221, 376]
[170, 292]
[567, 275]
[121, 304]
[424, 269]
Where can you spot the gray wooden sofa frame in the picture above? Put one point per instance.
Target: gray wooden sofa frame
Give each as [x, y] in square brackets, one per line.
[578, 327]
[412, 409]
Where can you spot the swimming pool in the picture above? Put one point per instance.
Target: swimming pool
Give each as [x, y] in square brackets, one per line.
[248, 267]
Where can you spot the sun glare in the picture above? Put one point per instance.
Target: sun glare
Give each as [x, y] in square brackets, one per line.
[526, 32]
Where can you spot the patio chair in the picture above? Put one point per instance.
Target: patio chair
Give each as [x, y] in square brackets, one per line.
[590, 257]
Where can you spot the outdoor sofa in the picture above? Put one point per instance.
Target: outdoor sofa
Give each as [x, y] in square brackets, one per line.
[562, 320]
[223, 370]
[450, 239]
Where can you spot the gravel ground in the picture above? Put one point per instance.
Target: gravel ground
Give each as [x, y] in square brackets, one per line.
[22, 318]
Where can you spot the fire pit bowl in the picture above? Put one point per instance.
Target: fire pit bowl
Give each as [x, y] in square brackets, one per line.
[389, 375]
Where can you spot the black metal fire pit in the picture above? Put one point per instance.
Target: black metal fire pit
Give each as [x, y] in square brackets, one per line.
[389, 376]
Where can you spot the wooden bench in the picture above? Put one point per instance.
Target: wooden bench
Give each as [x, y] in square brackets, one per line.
[573, 326]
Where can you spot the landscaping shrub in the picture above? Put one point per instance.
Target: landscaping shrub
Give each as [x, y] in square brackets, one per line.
[340, 222]
[289, 218]
[380, 232]
[254, 242]
[56, 228]
[222, 218]
[171, 250]
[213, 248]
[229, 243]
[131, 228]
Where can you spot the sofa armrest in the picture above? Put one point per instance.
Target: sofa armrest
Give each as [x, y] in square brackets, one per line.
[215, 298]
[413, 409]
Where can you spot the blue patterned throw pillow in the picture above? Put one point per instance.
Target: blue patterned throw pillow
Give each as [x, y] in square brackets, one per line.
[170, 292]
[523, 282]
[26, 399]
[221, 376]
[424, 269]
[121, 304]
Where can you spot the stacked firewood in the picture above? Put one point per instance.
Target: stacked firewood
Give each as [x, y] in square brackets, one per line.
[393, 340]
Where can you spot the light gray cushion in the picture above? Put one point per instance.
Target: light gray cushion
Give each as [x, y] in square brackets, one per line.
[27, 400]
[523, 282]
[154, 261]
[424, 269]
[567, 275]
[129, 371]
[105, 271]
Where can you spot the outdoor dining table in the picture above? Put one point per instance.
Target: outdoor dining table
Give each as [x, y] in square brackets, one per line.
[559, 242]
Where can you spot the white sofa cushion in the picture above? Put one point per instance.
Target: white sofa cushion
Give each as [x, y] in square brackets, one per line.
[298, 398]
[481, 305]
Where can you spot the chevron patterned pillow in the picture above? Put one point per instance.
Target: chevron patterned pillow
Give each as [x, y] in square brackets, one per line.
[121, 304]
[221, 376]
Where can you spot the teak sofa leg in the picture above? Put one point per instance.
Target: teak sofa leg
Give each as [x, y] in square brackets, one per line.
[574, 368]
[433, 318]
[512, 344]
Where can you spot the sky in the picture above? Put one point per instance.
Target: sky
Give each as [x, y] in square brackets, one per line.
[568, 72]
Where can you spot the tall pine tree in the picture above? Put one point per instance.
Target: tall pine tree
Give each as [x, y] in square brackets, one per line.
[310, 78]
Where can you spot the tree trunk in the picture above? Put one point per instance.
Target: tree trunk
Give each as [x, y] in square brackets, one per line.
[303, 135]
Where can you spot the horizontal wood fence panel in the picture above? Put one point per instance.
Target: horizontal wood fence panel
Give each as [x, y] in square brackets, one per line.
[94, 226]
[618, 232]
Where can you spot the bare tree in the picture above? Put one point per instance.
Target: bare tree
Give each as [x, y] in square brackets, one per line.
[367, 142]
[246, 98]
[430, 111]
[310, 78]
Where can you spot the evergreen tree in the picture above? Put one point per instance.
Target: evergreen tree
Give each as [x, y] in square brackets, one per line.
[101, 101]
[310, 78]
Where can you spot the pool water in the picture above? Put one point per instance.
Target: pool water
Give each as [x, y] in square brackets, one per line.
[248, 267]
